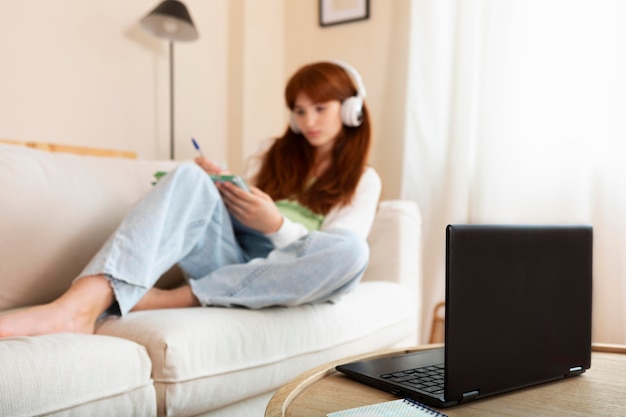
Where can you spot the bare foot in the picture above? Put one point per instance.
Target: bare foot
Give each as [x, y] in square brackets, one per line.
[44, 319]
[157, 298]
[76, 311]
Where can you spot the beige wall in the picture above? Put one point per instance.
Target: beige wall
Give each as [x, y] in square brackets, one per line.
[85, 73]
[257, 57]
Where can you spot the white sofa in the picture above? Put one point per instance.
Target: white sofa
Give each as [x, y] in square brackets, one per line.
[57, 209]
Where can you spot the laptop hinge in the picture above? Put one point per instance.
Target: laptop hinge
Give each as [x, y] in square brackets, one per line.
[470, 395]
[575, 370]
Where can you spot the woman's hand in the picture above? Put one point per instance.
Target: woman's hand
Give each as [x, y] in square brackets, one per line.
[254, 209]
[209, 166]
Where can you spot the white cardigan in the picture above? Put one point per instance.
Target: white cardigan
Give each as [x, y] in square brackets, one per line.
[358, 216]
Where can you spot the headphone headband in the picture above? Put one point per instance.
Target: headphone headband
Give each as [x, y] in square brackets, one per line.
[354, 76]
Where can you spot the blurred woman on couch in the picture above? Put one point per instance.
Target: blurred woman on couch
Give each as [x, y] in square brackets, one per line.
[297, 236]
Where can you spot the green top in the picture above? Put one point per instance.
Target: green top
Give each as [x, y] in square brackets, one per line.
[292, 210]
[297, 213]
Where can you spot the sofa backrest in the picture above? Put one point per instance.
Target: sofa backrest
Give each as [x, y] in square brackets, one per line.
[395, 244]
[57, 209]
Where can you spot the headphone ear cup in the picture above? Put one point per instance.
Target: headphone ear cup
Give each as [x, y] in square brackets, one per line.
[352, 111]
[293, 125]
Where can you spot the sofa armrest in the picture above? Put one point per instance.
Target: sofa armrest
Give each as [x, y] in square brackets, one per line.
[395, 244]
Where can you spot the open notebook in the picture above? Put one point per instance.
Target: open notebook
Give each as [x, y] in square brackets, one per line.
[397, 408]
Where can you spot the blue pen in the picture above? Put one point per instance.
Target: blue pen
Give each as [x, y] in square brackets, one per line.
[195, 145]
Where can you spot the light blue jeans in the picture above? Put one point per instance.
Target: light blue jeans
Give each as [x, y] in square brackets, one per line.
[184, 221]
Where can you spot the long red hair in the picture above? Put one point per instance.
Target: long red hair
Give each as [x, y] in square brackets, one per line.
[285, 169]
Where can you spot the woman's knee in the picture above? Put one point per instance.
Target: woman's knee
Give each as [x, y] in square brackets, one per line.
[351, 248]
[190, 174]
[190, 171]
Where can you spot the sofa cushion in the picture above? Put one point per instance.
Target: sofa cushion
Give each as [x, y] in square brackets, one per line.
[206, 358]
[79, 375]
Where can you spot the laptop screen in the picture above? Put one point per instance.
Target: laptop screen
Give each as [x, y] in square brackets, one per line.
[518, 306]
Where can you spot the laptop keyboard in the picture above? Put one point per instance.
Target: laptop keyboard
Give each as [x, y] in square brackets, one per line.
[427, 378]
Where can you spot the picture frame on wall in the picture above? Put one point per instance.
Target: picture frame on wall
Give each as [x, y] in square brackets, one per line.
[335, 12]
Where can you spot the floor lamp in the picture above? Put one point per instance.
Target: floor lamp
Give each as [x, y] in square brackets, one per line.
[170, 20]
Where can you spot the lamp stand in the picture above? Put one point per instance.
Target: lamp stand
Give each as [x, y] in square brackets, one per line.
[171, 20]
[171, 100]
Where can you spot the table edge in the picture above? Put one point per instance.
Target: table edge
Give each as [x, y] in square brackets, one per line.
[285, 394]
[283, 397]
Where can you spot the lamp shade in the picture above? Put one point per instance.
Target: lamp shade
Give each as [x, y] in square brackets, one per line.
[170, 20]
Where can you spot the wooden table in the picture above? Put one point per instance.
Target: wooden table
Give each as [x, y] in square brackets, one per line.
[601, 391]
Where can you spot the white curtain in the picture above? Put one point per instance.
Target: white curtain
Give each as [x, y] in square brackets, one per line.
[516, 113]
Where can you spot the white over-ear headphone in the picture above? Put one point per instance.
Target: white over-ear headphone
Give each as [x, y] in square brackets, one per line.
[352, 107]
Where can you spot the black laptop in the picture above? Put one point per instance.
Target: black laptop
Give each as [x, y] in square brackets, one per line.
[518, 313]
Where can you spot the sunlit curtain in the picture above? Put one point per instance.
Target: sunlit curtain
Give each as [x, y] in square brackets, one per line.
[516, 113]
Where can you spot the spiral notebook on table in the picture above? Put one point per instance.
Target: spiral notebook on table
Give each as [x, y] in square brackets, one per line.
[397, 408]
